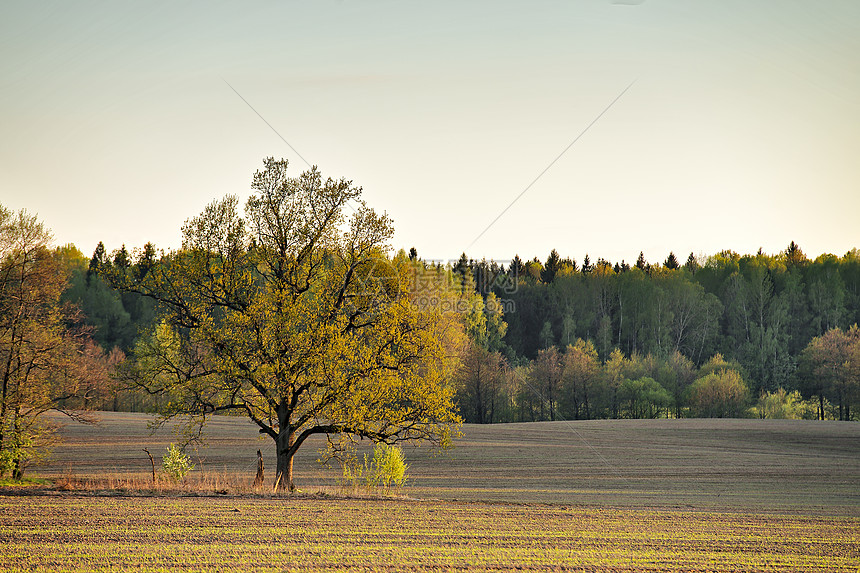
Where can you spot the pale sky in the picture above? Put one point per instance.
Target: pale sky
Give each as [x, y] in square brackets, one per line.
[741, 129]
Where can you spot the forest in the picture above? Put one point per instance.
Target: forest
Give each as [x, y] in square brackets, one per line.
[728, 335]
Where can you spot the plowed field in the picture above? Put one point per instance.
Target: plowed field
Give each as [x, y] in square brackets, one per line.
[52, 534]
[658, 495]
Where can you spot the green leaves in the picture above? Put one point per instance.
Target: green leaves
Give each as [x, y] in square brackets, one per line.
[176, 464]
[295, 316]
[386, 469]
[720, 394]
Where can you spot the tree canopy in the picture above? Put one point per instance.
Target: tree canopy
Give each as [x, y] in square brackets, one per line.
[47, 361]
[296, 317]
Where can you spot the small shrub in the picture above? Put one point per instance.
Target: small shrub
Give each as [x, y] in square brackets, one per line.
[175, 463]
[353, 472]
[388, 467]
[385, 470]
[24, 447]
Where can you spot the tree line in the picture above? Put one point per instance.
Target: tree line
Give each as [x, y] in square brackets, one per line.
[657, 329]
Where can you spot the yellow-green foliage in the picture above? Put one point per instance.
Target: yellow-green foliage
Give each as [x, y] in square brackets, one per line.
[175, 463]
[385, 470]
[782, 405]
[388, 467]
[722, 394]
[295, 316]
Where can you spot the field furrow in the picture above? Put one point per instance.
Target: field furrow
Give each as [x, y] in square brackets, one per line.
[96, 533]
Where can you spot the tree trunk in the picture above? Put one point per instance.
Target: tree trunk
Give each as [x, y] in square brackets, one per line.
[585, 403]
[17, 466]
[258, 480]
[284, 472]
[615, 403]
[4, 398]
[152, 462]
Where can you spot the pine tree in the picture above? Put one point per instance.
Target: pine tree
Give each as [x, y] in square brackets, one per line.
[99, 261]
[146, 260]
[121, 259]
[515, 269]
[641, 263]
[586, 265]
[463, 271]
[692, 264]
[551, 267]
[794, 257]
[671, 262]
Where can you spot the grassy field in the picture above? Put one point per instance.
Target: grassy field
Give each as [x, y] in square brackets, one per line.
[667, 495]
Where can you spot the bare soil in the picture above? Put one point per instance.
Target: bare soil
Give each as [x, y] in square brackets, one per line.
[772, 465]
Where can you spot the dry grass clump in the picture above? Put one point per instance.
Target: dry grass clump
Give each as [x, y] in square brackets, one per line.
[201, 485]
[213, 483]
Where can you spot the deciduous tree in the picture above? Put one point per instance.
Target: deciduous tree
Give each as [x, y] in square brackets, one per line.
[720, 393]
[44, 364]
[295, 317]
[580, 378]
[480, 384]
[830, 367]
[546, 376]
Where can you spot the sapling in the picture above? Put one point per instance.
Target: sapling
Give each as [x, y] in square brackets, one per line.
[176, 463]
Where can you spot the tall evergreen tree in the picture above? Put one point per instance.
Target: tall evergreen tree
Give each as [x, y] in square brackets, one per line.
[692, 264]
[671, 262]
[146, 260]
[515, 269]
[463, 271]
[641, 263]
[121, 258]
[586, 265]
[794, 257]
[99, 261]
[553, 263]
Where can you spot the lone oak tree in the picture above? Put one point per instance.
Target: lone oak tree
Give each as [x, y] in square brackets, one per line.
[295, 317]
